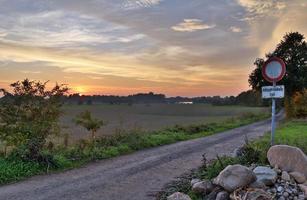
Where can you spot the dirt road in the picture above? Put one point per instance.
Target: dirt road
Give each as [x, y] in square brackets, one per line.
[134, 176]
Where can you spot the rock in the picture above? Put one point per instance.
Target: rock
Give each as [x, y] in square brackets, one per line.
[280, 189]
[195, 180]
[178, 196]
[257, 184]
[303, 188]
[266, 175]
[285, 176]
[298, 177]
[234, 177]
[203, 187]
[223, 195]
[212, 195]
[288, 158]
[285, 194]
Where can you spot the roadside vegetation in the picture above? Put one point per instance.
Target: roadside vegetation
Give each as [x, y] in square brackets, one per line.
[293, 132]
[28, 150]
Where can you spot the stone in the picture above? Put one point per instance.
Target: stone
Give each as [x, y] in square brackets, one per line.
[303, 188]
[280, 189]
[234, 177]
[288, 158]
[285, 194]
[178, 196]
[203, 187]
[266, 175]
[195, 180]
[285, 176]
[257, 184]
[223, 195]
[298, 177]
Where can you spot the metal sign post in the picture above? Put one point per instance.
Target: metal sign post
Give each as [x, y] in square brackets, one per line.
[273, 71]
[273, 118]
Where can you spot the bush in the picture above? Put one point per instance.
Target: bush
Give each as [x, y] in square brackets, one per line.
[300, 104]
[29, 115]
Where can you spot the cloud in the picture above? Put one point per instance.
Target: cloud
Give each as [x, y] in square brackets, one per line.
[62, 29]
[191, 25]
[235, 29]
[137, 4]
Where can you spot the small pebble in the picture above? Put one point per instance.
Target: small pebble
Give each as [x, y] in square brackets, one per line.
[280, 189]
[285, 194]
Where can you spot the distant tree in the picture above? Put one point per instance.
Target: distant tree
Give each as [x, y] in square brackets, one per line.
[249, 98]
[29, 114]
[293, 50]
[91, 124]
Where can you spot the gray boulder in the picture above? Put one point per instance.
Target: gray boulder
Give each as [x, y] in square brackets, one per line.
[178, 196]
[288, 158]
[234, 177]
[203, 187]
[266, 175]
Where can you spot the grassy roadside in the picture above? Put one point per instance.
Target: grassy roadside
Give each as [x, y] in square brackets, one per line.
[292, 133]
[13, 168]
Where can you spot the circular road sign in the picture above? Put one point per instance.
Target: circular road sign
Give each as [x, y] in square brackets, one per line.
[274, 69]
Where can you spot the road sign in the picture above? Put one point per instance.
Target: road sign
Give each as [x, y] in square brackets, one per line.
[274, 69]
[277, 91]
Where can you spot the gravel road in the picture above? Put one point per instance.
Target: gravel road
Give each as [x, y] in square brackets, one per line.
[131, 177]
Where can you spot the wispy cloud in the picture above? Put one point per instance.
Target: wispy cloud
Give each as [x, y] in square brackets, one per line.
[137, 4]
[191, 25]
[235, 29]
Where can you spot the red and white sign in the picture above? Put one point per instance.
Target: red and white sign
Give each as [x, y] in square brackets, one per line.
[274, 69]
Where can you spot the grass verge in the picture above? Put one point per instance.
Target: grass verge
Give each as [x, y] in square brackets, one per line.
[292, 133]
[13, 168]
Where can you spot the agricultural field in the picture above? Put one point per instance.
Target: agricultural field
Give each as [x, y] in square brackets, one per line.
[149, 117]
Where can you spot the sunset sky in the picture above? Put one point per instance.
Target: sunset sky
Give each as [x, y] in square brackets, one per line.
[175, 47]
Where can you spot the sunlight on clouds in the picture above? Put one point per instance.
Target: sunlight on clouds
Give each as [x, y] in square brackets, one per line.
[191, 25]
[235, 29]
[113, 64]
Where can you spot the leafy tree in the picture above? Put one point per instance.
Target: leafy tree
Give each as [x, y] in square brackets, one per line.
[91, 124]
[29, 114]
[293, 50]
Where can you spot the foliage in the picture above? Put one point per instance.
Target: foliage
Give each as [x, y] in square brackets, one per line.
[300, 104]
[65, 157]
[29, 115]
[249, 98]
[92, 124]
[293, 50]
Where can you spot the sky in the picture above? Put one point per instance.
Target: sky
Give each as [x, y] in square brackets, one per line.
[120, 47]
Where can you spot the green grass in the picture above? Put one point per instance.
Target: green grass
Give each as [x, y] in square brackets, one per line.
[293, 133]
[14, 169]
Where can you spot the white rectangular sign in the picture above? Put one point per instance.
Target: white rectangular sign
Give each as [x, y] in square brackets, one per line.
[277, 91]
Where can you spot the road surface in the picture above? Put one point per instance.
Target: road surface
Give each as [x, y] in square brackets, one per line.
[131, 177]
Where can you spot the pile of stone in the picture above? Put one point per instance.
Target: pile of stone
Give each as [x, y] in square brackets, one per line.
[285, 178]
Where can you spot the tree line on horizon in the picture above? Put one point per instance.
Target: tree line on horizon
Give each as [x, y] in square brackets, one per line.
[249, 98]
